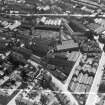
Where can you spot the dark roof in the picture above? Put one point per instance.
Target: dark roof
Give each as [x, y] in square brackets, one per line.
[24, 51]
[75, 24]
[47, 27]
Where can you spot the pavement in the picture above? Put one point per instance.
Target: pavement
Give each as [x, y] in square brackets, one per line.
[12, 102]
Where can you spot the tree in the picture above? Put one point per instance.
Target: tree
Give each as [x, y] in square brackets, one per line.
[55, 103]
[44, 99]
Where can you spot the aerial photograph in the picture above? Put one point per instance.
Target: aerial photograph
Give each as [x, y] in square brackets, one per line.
[52, 52]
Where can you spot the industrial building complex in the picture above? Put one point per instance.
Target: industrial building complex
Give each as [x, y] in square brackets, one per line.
[52, 52]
